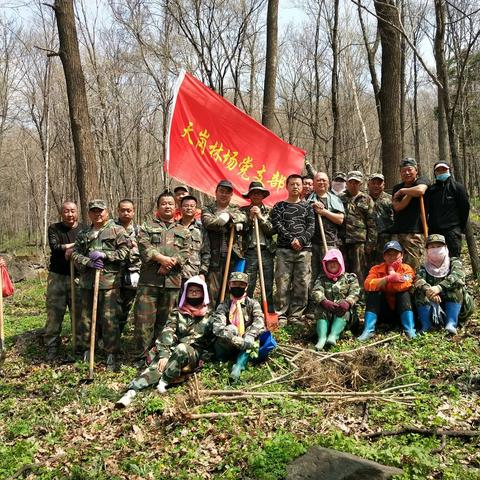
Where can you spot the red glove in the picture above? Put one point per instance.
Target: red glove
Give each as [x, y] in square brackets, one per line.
[342, 308]
[328, 305]
[395, 278]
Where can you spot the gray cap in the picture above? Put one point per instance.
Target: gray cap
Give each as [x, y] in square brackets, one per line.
[355, 175]
[225, 183]
[409, 162]
[97, 203]
[376, 175]
[436, 237]
[239, 277]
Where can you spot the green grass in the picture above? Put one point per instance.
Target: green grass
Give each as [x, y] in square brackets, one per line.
[54, 428]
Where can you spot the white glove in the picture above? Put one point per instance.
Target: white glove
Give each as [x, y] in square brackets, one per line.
[237, 342]
[248, 342]
[239, 227]
[134, 277]
[223, 218]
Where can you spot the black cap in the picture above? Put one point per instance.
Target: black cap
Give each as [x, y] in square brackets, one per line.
[225, 183]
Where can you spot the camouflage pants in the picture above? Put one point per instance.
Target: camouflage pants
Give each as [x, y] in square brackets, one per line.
[355, 261]
[214, 282]
[413, 247]
[151, 312]
[292, 278]
[184, 357]
[454, 295]
[58, 299]
[127, 297]
[108, 313]
[252, 269]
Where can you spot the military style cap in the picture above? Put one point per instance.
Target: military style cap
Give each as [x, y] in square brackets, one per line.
[256, 186]
[436, 237]
[392, 245]
[376, 175]
[441, 164]
[97, 203]
[408, 162]
[239, 277]
[181, 187]
[225, 183]
[355, 175]
[340, 175]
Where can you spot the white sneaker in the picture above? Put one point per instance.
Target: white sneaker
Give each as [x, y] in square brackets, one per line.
[162, 387]
[126, 400]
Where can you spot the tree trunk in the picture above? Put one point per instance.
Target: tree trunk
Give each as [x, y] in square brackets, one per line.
[268, 112]
[335, 106]
[442, 73]
[389, 95]
[85, 165]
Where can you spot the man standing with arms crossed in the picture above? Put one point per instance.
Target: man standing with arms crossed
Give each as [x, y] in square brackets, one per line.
[407, 222]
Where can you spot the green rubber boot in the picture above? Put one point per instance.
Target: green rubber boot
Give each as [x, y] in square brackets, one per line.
[338, 326]
[322, 329]
[239, 366]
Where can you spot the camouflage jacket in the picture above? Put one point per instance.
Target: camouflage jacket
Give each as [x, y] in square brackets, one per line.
[454, 279]
[133, 262]
[360, 226]
[170, 239]
[111, 240]
[265, 226]
[183, 328]
[345, 288]
[199, 256]
[383, 210]
[252, 316]
[219, 234]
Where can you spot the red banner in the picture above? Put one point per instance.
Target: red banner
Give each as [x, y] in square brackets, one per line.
[211, 139]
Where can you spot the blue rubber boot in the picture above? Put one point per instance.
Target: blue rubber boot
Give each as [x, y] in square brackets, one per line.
[368, 326]
[239, 366]
[425, 317]
[452, 310]
[408, 323]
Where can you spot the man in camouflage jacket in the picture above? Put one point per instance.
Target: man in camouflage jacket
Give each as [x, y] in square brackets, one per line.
[103, 246]
[383, 210]
[219, 218]
[164, 249]
[360, 238]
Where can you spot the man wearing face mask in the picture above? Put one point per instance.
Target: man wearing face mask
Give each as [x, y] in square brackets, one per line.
[339, 183]
[447, 207]
[237, 324]
[439, 283]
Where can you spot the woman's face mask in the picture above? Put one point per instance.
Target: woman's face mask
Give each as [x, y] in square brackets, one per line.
[442, 176]
[195, 301]
[436, 255]
[237, 292]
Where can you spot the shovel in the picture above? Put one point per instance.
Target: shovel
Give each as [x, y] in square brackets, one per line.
[3, 352]
[73, 313]
[322, 233]
[91, 358]
[227, 263]
[424, 218]
[271, 319]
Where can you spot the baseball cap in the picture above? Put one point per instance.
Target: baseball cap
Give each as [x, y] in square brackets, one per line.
[376, 175]
[225, 183]
[436, 237]
[97, 203]
[239, 277]
[441, 164]
[408, 162]
[340, 175]
[181, 187]
[392, 245]
[355, 175]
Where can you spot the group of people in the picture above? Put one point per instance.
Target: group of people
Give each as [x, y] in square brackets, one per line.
[324, 248]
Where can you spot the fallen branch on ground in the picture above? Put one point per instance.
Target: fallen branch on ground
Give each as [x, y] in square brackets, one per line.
[423, 431]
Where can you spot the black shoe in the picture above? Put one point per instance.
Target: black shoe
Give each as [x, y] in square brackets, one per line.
[112, 365]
